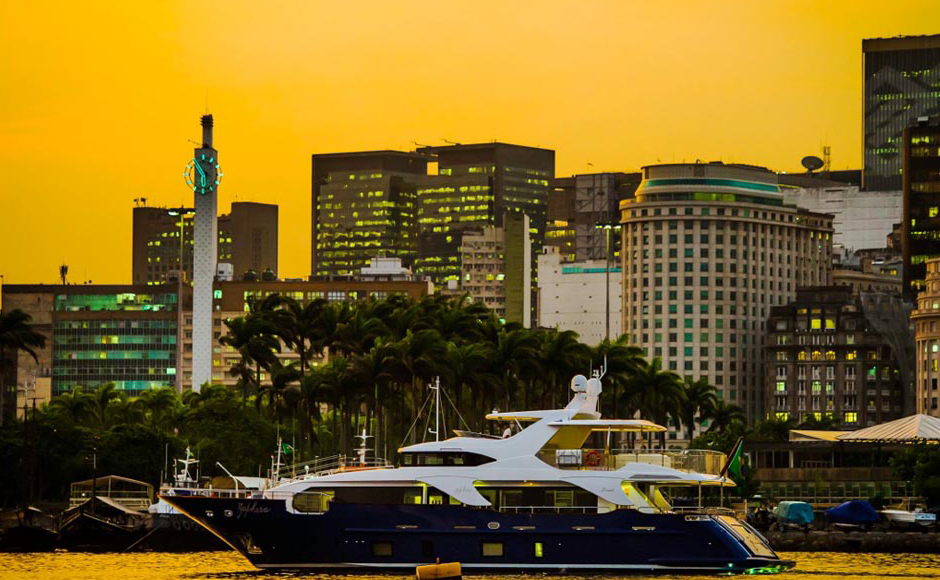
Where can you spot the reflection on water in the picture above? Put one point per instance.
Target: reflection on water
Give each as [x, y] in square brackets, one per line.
[229, 565]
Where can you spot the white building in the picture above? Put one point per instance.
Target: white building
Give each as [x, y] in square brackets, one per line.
[861, 219]
[572, 296]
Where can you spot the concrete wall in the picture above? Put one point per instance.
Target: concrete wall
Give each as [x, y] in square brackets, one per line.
[862, 219]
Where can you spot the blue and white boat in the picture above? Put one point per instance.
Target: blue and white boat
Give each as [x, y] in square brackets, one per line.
[532, 501]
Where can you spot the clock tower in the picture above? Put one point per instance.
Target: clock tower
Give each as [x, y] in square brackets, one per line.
[203, 175]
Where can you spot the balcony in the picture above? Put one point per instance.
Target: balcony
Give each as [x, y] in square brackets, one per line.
[689, 461]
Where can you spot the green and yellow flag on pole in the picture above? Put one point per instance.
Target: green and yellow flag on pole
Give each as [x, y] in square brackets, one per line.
[734, 466]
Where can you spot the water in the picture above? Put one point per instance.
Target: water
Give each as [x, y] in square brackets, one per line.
[229, 565]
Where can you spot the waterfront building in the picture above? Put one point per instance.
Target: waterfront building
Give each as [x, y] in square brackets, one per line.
[363, 206]
[926, 320]
[247, 239]
[920, 228]
[475, 186]
[708, 250]
[581, 296]
[861, 219]
[382, 268]
[828, 359]
[902, 84]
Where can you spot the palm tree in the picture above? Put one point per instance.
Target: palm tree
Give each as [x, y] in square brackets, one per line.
[469, 367]
[75, 405]
[282, 376]
[562, 356]
[517, 357]
[419, 357]
[101, 400]
[16, 334]
[623, 361]
[253, 337]
[723, 416]
[161, 407]
[698, 399]
[655, 393]
[298, 325]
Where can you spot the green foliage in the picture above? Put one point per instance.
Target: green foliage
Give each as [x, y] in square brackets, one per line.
[356, 366]
[920, 465]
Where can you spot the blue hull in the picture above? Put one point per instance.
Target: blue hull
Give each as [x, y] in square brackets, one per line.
[400, 537]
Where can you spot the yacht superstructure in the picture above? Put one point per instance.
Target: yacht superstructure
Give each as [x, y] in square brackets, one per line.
[535, 500]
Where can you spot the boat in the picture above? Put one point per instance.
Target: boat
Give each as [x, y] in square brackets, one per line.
[905, 516]
[27, 529]
[854, 514]
[533, 500]
[793, 514]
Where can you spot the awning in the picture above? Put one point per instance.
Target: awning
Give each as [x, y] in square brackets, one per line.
[911, 429]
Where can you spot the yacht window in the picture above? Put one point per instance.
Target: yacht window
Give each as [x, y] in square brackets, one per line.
[433, 458]
[313, 501]
[382, 549]
[492, 549]
[413, 496]
[539, 551]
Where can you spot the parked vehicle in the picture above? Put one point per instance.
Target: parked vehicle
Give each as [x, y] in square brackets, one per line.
[906, 516]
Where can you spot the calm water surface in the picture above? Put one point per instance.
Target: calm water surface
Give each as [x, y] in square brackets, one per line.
[229, 565]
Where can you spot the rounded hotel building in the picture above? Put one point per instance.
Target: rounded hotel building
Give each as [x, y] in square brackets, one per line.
[708, 249]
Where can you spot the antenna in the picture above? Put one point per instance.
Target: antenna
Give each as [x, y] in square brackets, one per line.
[63, 273]
[827, 158]
[450, 142]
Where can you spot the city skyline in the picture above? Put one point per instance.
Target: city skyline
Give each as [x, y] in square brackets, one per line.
[89, 130]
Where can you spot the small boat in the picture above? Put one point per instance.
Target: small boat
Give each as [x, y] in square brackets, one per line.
[853, 514]
[793, 514]
[535, 500]
[905, 516]
[27, 530]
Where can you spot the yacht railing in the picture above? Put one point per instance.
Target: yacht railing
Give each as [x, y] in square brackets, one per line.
[332, 464]
[547, 509]
[687, 460]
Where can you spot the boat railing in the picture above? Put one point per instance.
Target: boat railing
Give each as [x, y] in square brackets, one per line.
[688, 460]
[134, 500]
[703, 510]
[547, 509]
[332, 464]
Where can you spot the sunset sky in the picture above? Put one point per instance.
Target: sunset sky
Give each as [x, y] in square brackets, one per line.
[100, 100]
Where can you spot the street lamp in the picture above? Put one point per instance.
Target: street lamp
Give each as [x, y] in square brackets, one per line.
[607, 227]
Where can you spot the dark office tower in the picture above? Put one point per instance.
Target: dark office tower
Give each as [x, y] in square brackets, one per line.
[559, 229]
[363, 207]
[902, 83]
[920, 228]
[475, 185]
[247, 240]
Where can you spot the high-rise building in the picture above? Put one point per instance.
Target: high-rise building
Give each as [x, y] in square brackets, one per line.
[363, 207]
[926, 319]
[861, 219]
[828, 361]
[579, 207]
[920, 228]
[125, 334]
[902, 83]
[247, 239]
[707, 250]
[495, 264]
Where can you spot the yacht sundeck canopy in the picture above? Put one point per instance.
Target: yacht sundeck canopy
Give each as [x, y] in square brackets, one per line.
[620, 425]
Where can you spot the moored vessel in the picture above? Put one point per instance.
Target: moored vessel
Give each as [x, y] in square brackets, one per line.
[531, 501]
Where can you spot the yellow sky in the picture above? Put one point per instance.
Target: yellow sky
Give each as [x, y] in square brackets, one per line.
[100, 99]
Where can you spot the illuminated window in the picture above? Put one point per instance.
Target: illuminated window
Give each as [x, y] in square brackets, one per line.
[492, 549]
[781, 386]
[851, 355]
[781, 416]
[539, 550]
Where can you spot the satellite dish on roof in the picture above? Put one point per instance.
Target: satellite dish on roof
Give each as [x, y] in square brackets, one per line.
[812, 163]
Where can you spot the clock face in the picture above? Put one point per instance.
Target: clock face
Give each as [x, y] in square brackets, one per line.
[203, 173]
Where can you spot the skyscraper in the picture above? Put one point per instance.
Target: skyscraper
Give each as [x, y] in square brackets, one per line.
[247, 239]
[920, 228]
[707, 250]
[363, 206]
[902, 83]
[475, 186]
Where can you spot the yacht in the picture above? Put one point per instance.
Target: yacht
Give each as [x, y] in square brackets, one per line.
[533, 500]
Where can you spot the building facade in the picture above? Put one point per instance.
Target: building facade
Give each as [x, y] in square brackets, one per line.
[163, 241]
[920, 228]
[708, 250]
[581, 296]
[141, 336]
[861, 219]
[926, 319]
[827, 361]
[902, 83]
[125, 334]
[363, 206]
